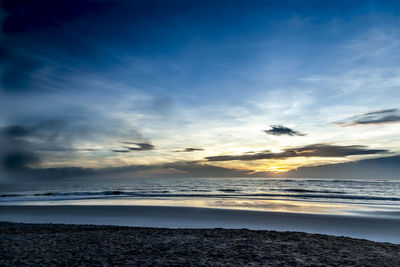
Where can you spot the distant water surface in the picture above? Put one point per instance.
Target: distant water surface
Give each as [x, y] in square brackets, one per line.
[327, 196]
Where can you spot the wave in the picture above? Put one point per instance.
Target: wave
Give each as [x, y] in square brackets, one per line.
[296, 190]
[228, 193]
[228, 190]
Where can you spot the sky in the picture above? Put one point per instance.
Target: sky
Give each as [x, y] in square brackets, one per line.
[199, 88]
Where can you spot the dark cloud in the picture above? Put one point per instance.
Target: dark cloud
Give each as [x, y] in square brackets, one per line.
[16, 153]
[189, 149]
[28, 145]
[315, 150]
[194, 169]
[138, 146]
[282, 130]
[16, 131]
[58, 173]
[19, 160]
[120, 151]
[373, 118]
[376, 168]
[23, 146]
[383, 168]
[172, 169]
[48, 135]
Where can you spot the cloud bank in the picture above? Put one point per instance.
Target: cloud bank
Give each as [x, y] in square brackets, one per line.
[315, 150]
[172, 169]
[376, 168]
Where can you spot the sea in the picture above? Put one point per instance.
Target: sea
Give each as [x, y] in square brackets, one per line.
[377, 198]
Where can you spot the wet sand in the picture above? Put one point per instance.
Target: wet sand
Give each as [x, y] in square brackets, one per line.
[376, 228]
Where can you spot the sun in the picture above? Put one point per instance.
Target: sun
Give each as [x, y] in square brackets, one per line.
[277, 169]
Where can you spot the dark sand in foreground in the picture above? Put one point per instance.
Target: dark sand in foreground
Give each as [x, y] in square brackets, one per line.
[73, 245]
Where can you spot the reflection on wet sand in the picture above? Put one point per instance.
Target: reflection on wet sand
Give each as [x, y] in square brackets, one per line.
[291, 206]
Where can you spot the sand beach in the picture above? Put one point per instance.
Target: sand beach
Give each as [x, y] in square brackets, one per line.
[76, 235]
[89, 245]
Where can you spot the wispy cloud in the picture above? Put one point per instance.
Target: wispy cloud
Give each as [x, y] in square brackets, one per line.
[120, 151]
[372, 118]
[282, 130]
[315, 150]
[25, 145]
[189, 149]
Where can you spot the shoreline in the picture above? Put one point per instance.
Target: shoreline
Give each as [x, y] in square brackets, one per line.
[371, 228]
[94, 245]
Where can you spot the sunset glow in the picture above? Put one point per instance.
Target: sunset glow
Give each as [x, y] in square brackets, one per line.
[263, 89]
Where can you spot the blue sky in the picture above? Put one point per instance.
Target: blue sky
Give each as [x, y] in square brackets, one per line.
[91, 82]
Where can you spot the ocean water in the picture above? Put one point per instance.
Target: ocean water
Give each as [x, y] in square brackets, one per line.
[321, 196]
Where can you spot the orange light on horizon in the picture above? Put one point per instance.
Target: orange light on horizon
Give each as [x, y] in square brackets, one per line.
[278, 165]
[277, 169]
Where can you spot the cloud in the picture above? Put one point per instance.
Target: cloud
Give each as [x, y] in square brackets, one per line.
[315, 150]
[373, 118]
[172, 169]
[49, 135]
[139, 146]
[189, 149]
[382, 168]
[16, 153]
[24, 146]
[16, 131]
[282, 130]
[19, 160]
[120, 151]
